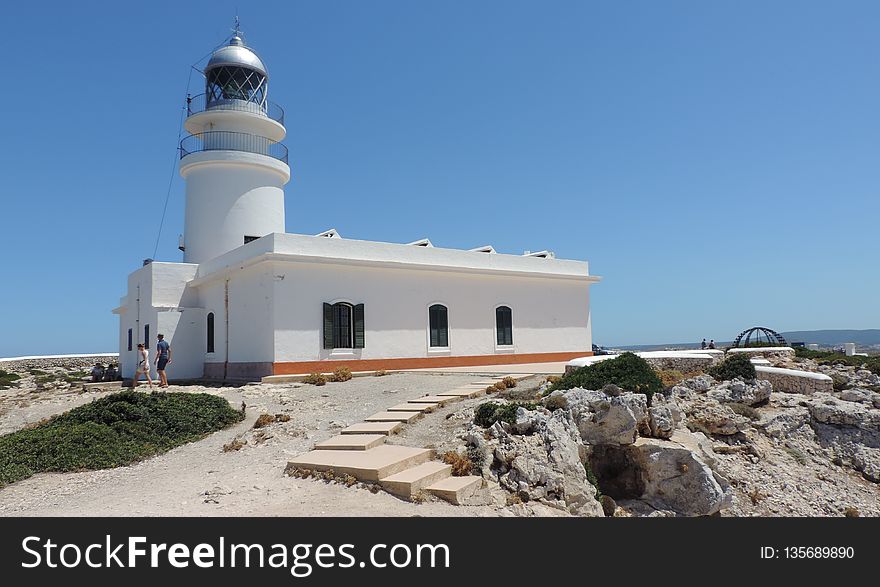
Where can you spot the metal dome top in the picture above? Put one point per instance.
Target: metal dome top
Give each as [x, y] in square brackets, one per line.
[236, 54]
[759, 336]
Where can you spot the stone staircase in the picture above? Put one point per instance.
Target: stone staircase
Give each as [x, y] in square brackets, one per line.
[360, 451]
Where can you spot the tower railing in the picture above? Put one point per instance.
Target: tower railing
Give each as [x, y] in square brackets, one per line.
[221, 140]
[196, 104]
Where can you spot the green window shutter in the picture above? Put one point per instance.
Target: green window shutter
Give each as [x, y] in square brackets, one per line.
[328, 326]
[359, 326]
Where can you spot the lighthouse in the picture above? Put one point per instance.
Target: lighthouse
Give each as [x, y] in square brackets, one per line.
[233, 162]
[250, 300]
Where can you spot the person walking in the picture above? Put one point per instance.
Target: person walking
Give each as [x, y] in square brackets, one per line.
[163, 358]
[143, 366]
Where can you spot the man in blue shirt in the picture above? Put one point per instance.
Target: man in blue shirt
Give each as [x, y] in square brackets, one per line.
[163, 357]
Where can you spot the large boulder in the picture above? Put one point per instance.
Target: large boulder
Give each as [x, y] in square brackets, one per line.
[607, 419]
[539, 459]
[738, 391]
[710, 416]
[664, 416]
[850, 430]
[676, 478]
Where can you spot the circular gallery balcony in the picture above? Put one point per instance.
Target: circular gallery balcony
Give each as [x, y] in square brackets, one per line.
[232, 141]
[271, 110]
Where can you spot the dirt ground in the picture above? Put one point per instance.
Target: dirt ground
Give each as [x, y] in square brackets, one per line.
[200, 479]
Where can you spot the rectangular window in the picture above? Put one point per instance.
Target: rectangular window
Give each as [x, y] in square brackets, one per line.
[342, 326]
[439, 326]
[504, 326]
[129, 339]
[146, 336]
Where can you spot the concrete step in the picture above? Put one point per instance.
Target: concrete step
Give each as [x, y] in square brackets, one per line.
[463, 392]
[421, 408]
[352, 442]
[432, 399]
[456, 489]
[405, 417]
[385, 428]
[365, 465]
[410, 482]
[483, 384]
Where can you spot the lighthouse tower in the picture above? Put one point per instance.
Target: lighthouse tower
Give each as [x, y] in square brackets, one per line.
[233, 162]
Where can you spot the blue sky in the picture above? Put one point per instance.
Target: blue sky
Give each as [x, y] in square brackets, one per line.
[716, 162]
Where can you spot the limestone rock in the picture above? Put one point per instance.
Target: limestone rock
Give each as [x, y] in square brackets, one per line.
[677, 479]
[539, 459]
[738, 391]
[710, 416]
[603, 419]
[664, 416]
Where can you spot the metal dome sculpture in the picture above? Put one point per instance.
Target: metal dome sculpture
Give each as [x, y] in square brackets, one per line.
[759, 336]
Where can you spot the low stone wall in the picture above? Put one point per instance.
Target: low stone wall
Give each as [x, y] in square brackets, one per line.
[778, 353]
[794, 381]
[683, 364]
[79, 362]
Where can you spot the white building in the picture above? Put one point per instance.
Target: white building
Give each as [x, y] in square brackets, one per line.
[249, 300]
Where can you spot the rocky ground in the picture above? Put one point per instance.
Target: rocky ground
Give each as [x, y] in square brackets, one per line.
[703, 448]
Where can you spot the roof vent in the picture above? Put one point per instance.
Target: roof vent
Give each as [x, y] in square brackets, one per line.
[484, 249]
[541, 254]
[422, 243]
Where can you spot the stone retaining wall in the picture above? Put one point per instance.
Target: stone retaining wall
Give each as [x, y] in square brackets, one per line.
[794, 381]
[777, 353]
[76, 362]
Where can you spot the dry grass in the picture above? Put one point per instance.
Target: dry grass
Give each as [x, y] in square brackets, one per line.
[461, 464]
[380, 373]
[236, 444]
[509, 382]
[266, 419]
[315, 379]
[341, 374]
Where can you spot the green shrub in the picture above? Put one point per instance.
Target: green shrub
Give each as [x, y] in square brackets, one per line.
[735, 365]
[8, 379]
[113, 431]
[871, 363]
[486, 414]
[628, 371]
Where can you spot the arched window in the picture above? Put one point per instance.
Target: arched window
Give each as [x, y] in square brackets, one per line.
[503, 326]
[209, 347]
[439, 325]
[343, 326]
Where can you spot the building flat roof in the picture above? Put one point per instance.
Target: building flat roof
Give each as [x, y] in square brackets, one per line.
[282, 247]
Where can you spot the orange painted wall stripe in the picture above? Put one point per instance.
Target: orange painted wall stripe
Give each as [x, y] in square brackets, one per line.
[328, 365]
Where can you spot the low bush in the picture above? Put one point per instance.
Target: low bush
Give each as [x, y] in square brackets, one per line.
[116, 430]
[341, 374]
[871, 363]
[380, 373]
[509, 382]
[628, 371]
[315, 379]
[264, 420]
[461, 464]
[486, 414]
[8, 379]
[735, 365]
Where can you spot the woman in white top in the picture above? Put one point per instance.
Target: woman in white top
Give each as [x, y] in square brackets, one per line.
[143, 366]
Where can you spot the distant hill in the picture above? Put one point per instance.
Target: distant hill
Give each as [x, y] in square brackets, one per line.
[835, 337]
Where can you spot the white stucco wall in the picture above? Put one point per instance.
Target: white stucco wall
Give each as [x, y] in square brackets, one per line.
[230, 195]
[156, 291]
[549, 315]
[250, 316]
